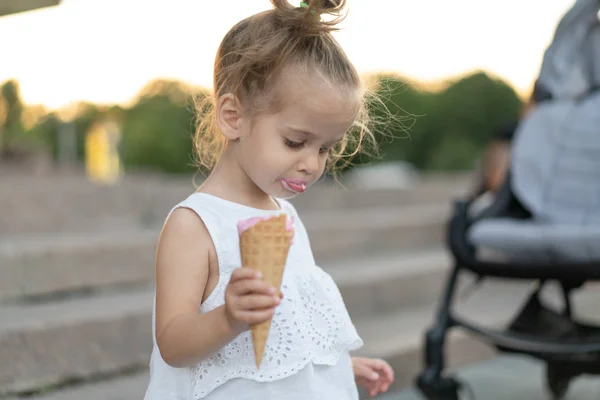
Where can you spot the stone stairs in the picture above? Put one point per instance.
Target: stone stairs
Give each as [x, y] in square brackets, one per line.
[75, 306]
[68, 203]
[60, 264]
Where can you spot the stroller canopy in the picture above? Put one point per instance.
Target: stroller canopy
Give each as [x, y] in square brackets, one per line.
[555, 158]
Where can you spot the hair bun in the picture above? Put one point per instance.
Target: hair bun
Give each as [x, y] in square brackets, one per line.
[329, 4]
[300, 17]
[319, 6]
[326, 6]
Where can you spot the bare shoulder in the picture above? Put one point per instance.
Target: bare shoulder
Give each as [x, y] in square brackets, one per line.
[182, 262]
[183, 224]
[184, 232]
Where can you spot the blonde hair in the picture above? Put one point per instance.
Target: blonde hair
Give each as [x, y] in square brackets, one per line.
[254, 52]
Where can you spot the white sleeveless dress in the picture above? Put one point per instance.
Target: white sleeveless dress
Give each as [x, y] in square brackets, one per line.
[307, 352]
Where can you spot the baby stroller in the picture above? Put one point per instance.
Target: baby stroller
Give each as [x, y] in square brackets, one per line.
[545, 221]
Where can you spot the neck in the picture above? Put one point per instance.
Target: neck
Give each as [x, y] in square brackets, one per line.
[229, 181]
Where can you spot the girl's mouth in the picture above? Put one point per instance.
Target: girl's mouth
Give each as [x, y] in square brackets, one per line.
[294, 185]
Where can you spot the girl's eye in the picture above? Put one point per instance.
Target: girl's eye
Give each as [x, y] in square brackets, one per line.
[292, 144]
[324, 150]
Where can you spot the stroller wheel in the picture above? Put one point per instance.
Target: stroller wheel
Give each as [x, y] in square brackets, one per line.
[558, 381]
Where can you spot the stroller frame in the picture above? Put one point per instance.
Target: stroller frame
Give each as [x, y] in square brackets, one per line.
[568, 348]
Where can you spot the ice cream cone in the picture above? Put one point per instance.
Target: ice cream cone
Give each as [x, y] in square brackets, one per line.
[264, 246]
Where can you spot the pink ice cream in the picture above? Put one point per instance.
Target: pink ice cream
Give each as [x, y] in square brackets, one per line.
[246, 224]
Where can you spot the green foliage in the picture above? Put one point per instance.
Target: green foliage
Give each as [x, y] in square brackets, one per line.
[47, 128]
[157, 130]
[441, 129]
[446, 129]
[46, 131]
[11, 111]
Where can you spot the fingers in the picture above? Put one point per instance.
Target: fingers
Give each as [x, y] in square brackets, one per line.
[373, 387]
[369, 385]
[252, 286]
[256, 316]
[257, 302]
[386, 370]
[374, 374]
[252, 309]
[381, 367]
[386, 374]
[388, 379]
[250, 300]
[248, 280]
[363, 370]
[244, 273]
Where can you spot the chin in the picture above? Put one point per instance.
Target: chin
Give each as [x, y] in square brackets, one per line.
[278, 191]
[287, 195]
[281, 193]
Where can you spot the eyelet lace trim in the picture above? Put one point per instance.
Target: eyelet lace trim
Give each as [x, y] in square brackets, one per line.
[311, 325]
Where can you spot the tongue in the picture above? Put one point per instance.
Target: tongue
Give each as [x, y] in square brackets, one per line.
[296, 186]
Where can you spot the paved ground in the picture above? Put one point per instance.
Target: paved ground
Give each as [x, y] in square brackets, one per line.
[511, 378]
[124, 388]
[503, 378]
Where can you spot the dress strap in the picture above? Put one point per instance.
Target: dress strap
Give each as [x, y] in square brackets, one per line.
[205, 210]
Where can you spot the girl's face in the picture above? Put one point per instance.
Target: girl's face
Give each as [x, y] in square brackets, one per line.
[285, 152]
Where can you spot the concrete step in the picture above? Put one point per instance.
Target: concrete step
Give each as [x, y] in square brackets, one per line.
[372, 230]
[74, 338]
[54, 265]
[430, 188]
[74, 204]
[46, 344]
[394, 336]
[127, 387]
[380, 284]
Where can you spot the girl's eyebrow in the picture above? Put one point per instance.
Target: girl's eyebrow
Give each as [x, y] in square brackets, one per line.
[303, 132]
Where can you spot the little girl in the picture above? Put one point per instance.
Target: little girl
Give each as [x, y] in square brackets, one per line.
[286, 98]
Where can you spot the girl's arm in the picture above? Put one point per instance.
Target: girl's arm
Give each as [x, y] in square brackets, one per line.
[184, 336]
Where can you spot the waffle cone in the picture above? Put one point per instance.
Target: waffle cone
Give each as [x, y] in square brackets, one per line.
[265, 247]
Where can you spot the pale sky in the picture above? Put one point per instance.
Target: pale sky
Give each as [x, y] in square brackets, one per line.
[106, 50]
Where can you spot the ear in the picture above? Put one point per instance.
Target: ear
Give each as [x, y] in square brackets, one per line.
[229, 116]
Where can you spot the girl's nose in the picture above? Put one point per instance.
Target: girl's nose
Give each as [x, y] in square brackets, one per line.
[310, 162]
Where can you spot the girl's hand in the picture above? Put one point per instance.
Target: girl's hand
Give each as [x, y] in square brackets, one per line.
[373, 374]
[248, 299]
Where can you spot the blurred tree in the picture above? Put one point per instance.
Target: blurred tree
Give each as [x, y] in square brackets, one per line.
[12, 110]
[433, 128]
[80, 116]
[157, 129]
[87, 114]
[467, 113]
[445, 129]
[46, 131]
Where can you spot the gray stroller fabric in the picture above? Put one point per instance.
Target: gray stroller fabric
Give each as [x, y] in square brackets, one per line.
[556, 175]
[555, 158]
[571, 64]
